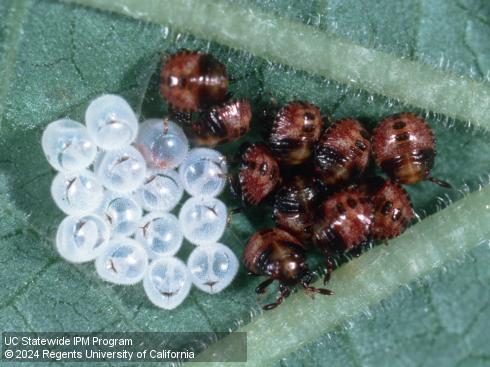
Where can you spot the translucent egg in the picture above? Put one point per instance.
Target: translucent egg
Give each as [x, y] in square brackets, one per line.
[161, 190]
[111, 122]
[203, 220]
[203, 172]
[68, 146]
[121, 170]
[162, 143]
[212, 267]
[122, 213]
[160, 233]
[167, 282]
[123, 261]
[77, 193]
[82, 238]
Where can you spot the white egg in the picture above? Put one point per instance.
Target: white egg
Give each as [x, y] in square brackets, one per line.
[212, 267]
[203, 220]
[82, 238]
[77, 193]
[167, 282]
[163, 143]
[122, 213]
[203, 172]
[160, 233]
[161, 191]
[68, 146]
[123, 261]
[111, 122]
[121, 170]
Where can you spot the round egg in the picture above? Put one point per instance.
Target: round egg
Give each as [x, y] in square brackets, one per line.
[111, 122]
[167, 282]
[68, 146]
[204, 172]
[160, 191]
[122, 213]
[203, 220]
[160, 234]
[82, 238]
[162, 142]
[123, 261]
[121, 170]
[213, 267]
[77, 193]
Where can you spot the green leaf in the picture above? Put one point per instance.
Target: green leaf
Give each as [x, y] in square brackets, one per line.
[56, 57]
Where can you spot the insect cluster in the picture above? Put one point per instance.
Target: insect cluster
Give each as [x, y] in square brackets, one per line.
[321, 180]
[335, 202]
[118, 181]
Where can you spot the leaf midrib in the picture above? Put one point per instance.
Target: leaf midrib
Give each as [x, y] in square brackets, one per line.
[305, 47]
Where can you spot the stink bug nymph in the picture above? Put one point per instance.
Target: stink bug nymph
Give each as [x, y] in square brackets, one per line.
[404, 147]
[393, 211]
[343, 224]
[280, 256]
[343, 152]
[296, 129]
[192, 81]
[258, 174]
[226, 122]
[295, 204]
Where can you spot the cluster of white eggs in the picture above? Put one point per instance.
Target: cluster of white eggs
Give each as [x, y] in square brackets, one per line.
[118, 182]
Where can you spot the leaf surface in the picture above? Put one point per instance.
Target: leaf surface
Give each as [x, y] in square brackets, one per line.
[56, 57]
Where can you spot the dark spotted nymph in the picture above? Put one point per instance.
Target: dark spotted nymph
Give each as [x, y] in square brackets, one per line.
[191, 81]
[295, 205]
[259, 174]
[343, 223]
[295, 130]
[393, 211]
[343, 153]
[404, 147]
[281, 257]
[223, 123]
